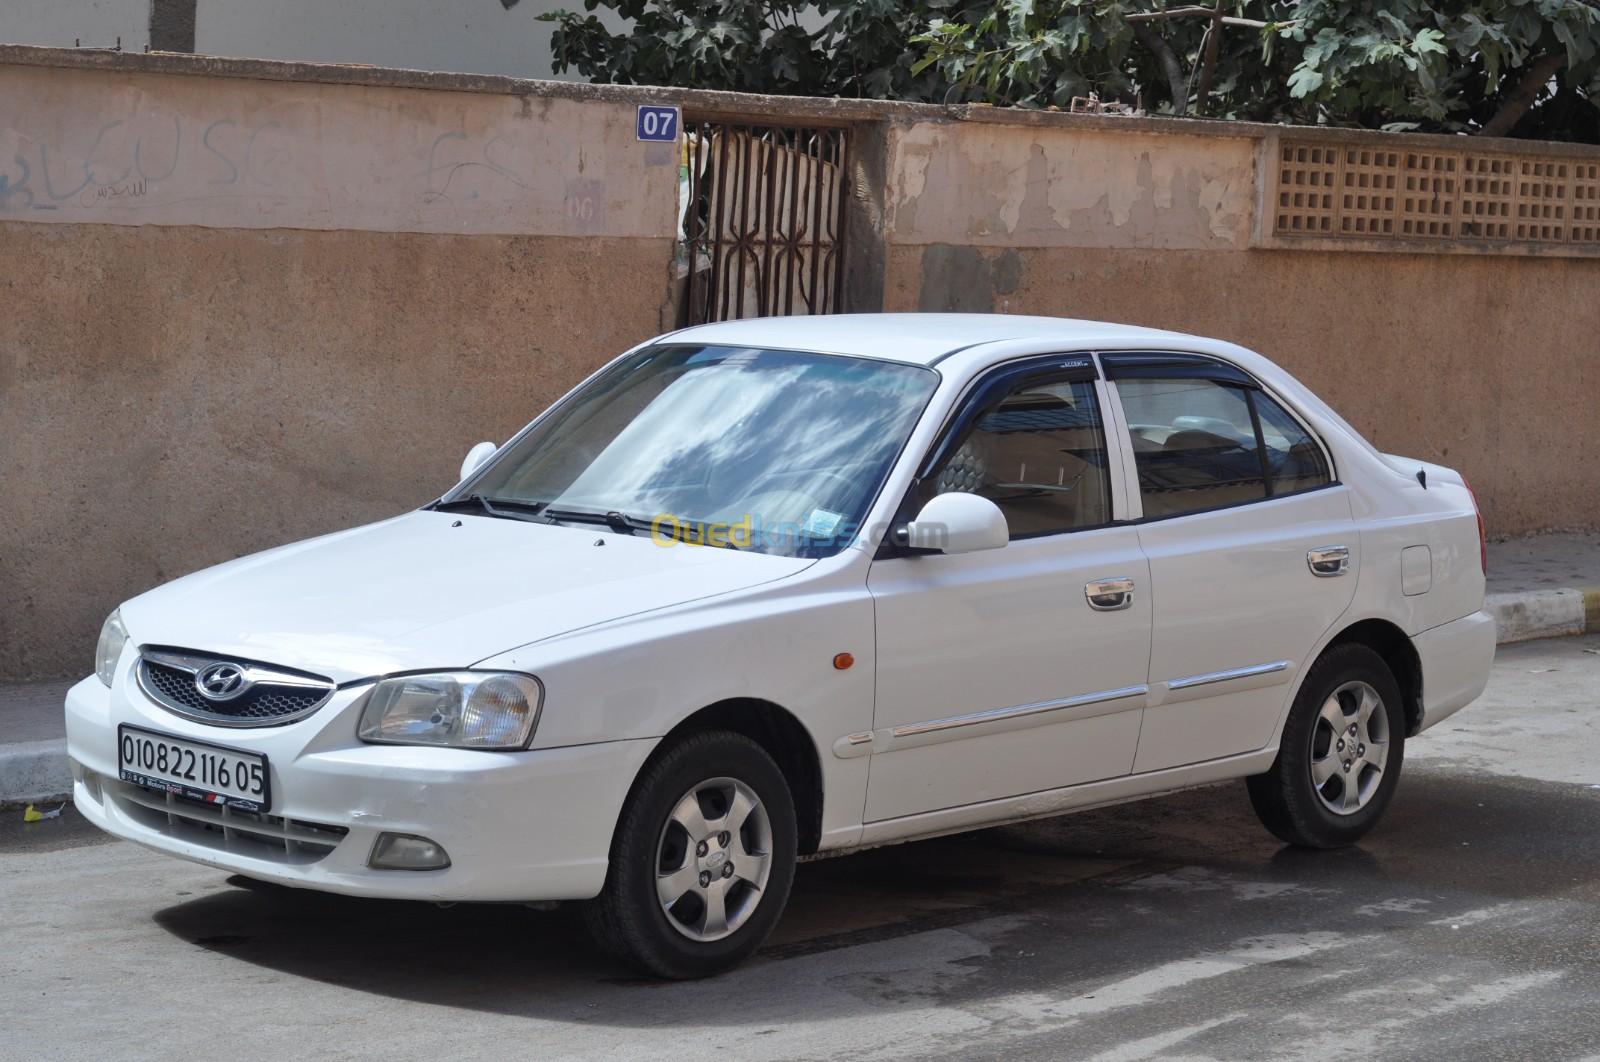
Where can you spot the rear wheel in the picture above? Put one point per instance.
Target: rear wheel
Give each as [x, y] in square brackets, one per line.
[702, 859]
[1340, 757]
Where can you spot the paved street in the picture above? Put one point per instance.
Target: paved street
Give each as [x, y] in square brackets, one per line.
[1466, 926]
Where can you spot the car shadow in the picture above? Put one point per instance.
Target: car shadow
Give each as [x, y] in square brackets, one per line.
[1158, 871]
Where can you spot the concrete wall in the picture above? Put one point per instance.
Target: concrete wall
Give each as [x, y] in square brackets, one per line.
[248, 302]
[100, 147]
[1487, 362]
[206, 349]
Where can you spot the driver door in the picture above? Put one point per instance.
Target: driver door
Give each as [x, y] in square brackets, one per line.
[997, 674]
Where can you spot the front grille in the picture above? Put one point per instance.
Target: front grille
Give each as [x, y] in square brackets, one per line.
[273, 696]
[248, 833]
[175, 685]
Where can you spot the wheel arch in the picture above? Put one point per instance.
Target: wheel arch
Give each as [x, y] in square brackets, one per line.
[782, 735]
[1393, 644]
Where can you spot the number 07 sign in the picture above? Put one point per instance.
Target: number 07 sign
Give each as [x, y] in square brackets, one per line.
[657, 124]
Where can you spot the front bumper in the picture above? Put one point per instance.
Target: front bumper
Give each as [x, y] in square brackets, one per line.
[518, 826]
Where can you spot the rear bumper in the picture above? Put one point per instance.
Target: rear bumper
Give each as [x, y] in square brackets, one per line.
[518, 826]
[1456, 659]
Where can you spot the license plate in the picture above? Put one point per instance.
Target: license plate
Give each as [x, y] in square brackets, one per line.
[195, 770]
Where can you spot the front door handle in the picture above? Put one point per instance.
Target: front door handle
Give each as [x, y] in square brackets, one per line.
[1328, 561]
[1109, 595]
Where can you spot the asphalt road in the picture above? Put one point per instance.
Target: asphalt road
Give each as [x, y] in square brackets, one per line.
[1466, 926]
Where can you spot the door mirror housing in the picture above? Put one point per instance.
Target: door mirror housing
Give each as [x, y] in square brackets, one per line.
[475, 458]
[958, 522]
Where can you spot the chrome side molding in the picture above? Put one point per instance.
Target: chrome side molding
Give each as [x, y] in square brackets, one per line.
[1227, 676]
[995, 714]
[1016, 717]
[1020, 716]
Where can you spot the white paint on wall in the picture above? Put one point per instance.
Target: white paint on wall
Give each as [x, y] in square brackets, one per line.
[1002, 185]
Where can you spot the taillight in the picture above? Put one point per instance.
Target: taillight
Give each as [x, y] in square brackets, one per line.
[1483, 538]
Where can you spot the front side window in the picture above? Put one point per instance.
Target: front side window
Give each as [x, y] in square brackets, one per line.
[1205, 444]
[784, 451]
[1039, 453]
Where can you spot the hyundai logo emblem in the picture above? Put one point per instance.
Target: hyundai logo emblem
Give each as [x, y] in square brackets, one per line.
[220, 682]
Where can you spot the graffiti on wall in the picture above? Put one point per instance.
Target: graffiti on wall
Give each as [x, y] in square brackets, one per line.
[123, 160]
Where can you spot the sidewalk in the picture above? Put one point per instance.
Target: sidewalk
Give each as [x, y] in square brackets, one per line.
[1540, 587]
[33, 754]
[1544, 587]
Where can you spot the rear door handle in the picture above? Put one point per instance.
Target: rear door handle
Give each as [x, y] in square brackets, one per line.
[1109, 595]
[1328, 561]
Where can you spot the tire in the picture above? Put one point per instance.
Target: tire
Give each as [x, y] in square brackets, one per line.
[711, 772]
[1308, 797]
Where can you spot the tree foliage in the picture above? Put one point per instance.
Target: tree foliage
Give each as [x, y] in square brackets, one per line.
[1523, 67]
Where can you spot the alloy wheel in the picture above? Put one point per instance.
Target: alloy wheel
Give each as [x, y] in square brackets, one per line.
[1349, 748]
[713, 859]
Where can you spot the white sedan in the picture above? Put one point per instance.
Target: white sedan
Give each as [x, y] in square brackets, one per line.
[766, 589]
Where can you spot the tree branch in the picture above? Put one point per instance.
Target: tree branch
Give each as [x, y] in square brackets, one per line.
[1519, 99]
[1158, 47]
[1208, 70]
[1206, 12]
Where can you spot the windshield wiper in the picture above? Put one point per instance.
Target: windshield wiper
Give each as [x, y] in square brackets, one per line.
[502, 508]
[627, 524]
[621, 523]
[541, 513]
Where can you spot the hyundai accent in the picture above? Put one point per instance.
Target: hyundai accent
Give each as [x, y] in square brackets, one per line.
[770, 589]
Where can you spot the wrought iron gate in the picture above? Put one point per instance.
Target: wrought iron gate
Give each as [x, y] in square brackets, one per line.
[763, 220]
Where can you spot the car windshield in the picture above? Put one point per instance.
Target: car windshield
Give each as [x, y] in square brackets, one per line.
[776, 451]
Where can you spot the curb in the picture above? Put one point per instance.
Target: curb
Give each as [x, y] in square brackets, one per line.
[1529, 614]
[32, 772]
[37, 771]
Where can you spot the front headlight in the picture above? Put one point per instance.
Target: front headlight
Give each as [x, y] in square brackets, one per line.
[459, 709]
[113, 636]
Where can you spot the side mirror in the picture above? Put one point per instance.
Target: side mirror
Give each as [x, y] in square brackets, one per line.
[475, 458]
[958, 523]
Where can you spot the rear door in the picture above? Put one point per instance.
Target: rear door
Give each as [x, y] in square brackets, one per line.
[1251, 546]
[997, 675]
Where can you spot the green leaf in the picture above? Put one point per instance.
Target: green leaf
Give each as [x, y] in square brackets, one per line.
[1428, 65]
[1575, 51]
[1399, 28]
[1323, 47]
[1017, 14]
[1429, 40]
[1304, 81]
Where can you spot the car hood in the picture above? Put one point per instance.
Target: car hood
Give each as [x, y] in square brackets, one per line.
[430, 590]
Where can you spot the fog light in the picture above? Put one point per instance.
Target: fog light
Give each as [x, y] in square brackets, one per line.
[406, 851]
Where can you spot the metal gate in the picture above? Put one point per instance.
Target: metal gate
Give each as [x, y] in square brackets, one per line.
[763, 220]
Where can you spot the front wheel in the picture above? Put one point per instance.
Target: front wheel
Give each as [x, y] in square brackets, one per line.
[702, 859]
[1339, 761]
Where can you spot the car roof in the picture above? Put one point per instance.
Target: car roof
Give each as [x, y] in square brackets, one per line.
[919, 338]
